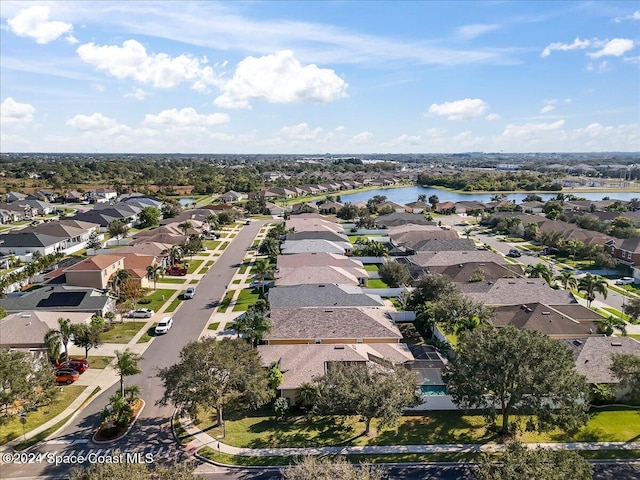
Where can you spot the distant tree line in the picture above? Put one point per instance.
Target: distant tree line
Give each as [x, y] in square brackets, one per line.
[470, 181]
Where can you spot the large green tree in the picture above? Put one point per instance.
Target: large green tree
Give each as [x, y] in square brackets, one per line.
[394, 274]
[356, 389]
[216, 374]
[118, 229]
[510, 371]
[518, 462]
[134, 471]
[149, 217]
[88, 336]
[24, 380]
[626, 368]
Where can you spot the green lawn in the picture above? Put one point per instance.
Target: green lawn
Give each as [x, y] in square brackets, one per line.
[260, 431]
[376, 283]
[211, 244]
[98, 362]
[213, 326]
[246, 298]
[172, 280]
[148, 335]
[243, 268]
[194, 265]
[224, 245]
[373, 267]
[13, 428]
[236, 282]
[209, 263]
[194, 281]
[174, 304]
[158, 299]
[123, 332]
[226, 301]
[634, 335]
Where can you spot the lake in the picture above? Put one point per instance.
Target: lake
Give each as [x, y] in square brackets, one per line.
[186, 201]
[403, 195]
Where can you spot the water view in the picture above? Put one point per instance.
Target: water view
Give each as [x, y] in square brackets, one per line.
[186, 201]
[404, 195]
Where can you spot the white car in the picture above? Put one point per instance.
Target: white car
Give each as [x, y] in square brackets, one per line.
[190, 292]
[625, 281]
[141, 313]
[164, 325]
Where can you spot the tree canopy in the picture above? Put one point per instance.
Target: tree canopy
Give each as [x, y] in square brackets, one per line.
[517, 372]
[394, 274]
[134, 471]
[627, 369]
[216, 374]
[378, 392]
[325, 468]
[518, 462]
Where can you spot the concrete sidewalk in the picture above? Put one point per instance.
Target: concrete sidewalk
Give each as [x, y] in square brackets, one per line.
[202, 439]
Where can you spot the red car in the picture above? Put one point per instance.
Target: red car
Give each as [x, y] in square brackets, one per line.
[176, 271]
[80, 365]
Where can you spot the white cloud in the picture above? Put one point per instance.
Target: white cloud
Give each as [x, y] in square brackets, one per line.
[362, 137]
[186, 117]
[340, 128]
[137, 93]
[97, 123]
[492, 116]
[404, 140]
[98, 88]
[460, 109]
[472, 31]
[302, 131]
[616, 48]
[547, 109]
[34, 22]
[530, 130]
[280, 78]
[12, 112]
[576, 45]
[159, 69]
[634, 16]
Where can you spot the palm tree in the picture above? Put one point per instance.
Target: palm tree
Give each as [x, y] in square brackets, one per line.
[270, 247]
[118, 280]
[539, 270]
[573, 246]
[126, 365]
[261, 270]
[175, 254]
[154, 272]
[307, 394]
[433, 201]
[52, 343]
[592, 284]
[468, 231]
[609, 325]
[254, 325]
[185, 226]
[132, 392]
[567, 279]
[422, 198]
[62, 335]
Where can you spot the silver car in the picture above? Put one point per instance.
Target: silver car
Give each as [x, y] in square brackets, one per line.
[141, 313]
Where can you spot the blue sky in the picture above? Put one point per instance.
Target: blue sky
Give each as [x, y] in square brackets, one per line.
[320, 77]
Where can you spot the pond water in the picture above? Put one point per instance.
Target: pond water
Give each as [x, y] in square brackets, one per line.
[186, 201]
[403, 195]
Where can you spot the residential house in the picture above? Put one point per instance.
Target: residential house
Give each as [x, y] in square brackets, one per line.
[317, 235]
[416, 207]
[304, 207]
[411, 234]
[448, 258]
[626, 251]
[303, 363]
[45, 195]
[102, 195]
[470, 272]
[74, 196]
[60, 298]
[546, 319]
[25, 331]
[515, 291]
[38, 207]
[15, 196]
[321, 274]
[330, 208]
[231, 197]
[12, 212]
[331, 325]
[594, 358]
[27, 243]
[322, 295]
[160, 250]
[401, 218]
[465, 207]
[289, 247]
[389, 205]
[531, 207]
[94, 272]
[445, 208]
[443, 244]
[317, 259]
[274, 209]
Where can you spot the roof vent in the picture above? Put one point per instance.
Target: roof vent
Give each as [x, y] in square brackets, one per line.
[320, 286]
[25, 315]
[546, 313]
[328, 311]
[577, 343]
[616, 344]
[339, 347]
[524, 306]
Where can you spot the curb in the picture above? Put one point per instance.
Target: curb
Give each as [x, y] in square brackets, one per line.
[104, 442]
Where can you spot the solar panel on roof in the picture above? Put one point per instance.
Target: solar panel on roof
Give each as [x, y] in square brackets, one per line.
[62, 299]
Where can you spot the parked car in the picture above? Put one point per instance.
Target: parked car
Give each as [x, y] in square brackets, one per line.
[176, 271]
[164, 325]
[625, 281]
[67, 375]
[247, 222]
[80, 365]
[141, 313]
[514, 253]
[190, 292]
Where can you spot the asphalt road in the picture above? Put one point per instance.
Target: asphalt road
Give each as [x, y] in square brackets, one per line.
[151, 433]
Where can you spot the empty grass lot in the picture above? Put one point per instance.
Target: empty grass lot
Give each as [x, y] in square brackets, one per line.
[246, 298]
[13, 428]
[123, 332]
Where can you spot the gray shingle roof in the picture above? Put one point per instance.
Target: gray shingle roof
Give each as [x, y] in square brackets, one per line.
[593, 356]
[57, 298]
[544, 319]
[330, 323]
[29, 239]
[443, 245]
[515, 291]
[321, 295]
